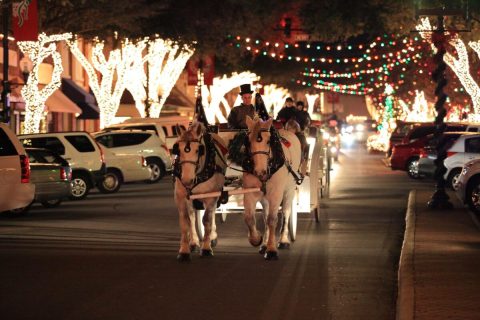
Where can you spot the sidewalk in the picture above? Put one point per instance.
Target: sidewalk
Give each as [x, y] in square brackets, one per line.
[439, 271]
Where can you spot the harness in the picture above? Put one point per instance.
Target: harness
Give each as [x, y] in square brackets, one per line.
[275, 157]
[210, 166]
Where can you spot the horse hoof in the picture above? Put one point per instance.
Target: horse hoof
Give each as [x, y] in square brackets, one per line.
[256, 244]
[262, 250]
[183, 257]
[194, 248]
[213, 243]
[284, 245]
[271, 255]
[206, 253]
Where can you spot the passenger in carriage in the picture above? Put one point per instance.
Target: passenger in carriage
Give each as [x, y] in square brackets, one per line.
[303, 117]
[287, 112]
[238, 115]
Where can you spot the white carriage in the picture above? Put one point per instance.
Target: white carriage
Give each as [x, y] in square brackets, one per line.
[308, 194]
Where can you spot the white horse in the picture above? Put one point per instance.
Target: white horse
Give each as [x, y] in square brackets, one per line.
[276, 186]
[199, 168]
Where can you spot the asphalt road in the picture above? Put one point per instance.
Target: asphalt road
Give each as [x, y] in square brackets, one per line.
[114, 257]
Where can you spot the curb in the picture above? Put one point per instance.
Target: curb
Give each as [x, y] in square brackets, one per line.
[406, 267]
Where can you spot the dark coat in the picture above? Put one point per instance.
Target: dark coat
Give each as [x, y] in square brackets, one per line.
[303, 119]
[286, 114]
[238, 115]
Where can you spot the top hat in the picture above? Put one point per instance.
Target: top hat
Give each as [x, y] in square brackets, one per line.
[245, 88]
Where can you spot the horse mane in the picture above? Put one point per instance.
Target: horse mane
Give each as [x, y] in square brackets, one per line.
[187, 136]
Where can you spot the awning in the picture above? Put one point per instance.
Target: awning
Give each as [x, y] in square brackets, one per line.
[83, 99]
[127, 110]
[58, 102]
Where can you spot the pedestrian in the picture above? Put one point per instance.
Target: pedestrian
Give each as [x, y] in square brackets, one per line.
[303, 117]
[287, 112]
[238, 115]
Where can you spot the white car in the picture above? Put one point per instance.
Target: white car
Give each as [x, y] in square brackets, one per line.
[463, 150]
[468, 185]
[16, 191]
[137, 142]
[122, 168]
[164, 127]
[82, 153]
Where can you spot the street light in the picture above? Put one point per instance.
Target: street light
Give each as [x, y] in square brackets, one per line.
[440, 199]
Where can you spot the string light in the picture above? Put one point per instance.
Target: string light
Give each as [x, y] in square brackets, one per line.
[34, 98]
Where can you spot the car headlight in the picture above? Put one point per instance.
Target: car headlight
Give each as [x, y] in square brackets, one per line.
[326, 135]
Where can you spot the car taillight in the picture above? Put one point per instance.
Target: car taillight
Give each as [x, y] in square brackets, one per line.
[144, 162]
[63, 174]
[450, 153]
[423, 154]
[25, 167]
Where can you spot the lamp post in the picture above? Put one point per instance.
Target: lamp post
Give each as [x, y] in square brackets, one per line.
[440, 199]
[5, 113]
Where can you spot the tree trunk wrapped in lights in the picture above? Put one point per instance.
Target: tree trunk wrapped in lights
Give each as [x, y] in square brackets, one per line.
[35, 98]
[311, 98]
[460, 66]
[109, 90]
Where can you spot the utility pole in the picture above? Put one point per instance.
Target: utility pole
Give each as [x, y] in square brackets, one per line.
[5, 114]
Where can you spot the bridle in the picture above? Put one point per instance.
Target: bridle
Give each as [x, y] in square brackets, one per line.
[179, 163]
[268, 154]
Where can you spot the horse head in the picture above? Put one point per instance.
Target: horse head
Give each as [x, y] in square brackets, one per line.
[190, 152]
[260, 149]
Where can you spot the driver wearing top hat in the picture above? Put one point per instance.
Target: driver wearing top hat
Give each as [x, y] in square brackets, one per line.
[238, 115]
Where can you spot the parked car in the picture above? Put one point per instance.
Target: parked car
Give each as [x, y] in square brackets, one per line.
[137, 142]
[122, 168]
[409, 131]
[426, 163]
[405, 157]
[468, 185]
[463, 150]
[164, 127]
[51, 175]
[16, 190]
[416, 157]
[82, 153]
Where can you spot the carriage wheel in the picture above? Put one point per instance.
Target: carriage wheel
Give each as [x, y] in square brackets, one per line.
[292, 223]
[199, 223]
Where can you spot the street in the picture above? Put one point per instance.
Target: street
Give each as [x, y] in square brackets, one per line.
[114, 256]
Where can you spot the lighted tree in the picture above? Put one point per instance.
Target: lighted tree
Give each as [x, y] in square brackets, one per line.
[420, 110]
[311, 98]
[274, 97]
[460, 65]
[108, 91]
[214, 97]
[166, 62]
[35, 98]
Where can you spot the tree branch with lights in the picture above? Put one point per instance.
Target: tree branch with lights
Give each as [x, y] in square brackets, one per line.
[108, 91]
[460, 66]
[35, 98]
[166, 61]
[214, 97]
